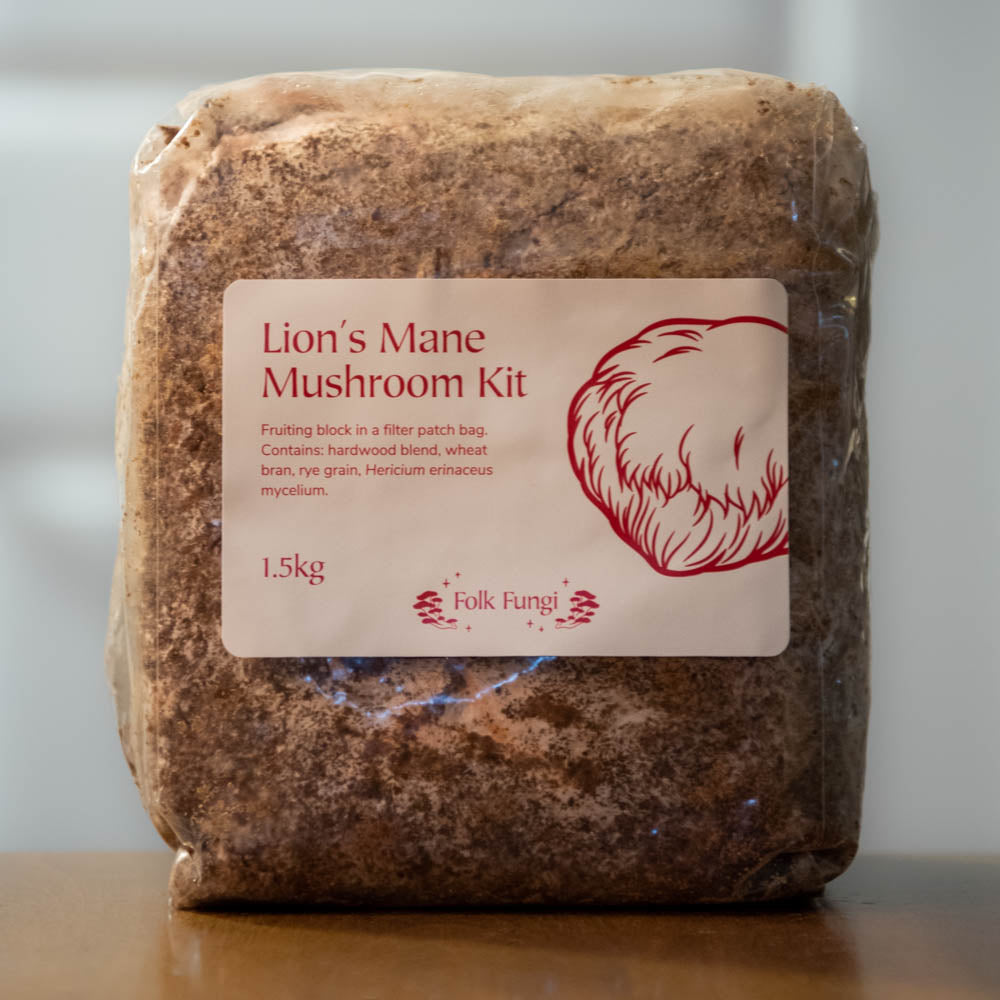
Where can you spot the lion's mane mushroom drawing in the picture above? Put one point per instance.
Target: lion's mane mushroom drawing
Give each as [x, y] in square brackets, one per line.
[679, 437]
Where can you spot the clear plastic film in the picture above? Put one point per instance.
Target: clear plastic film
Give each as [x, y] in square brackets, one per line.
[490, 780]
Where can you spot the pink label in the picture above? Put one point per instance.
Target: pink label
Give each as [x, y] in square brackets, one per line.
[505, 467]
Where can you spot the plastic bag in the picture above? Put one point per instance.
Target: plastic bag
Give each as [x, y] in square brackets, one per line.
[485, 779]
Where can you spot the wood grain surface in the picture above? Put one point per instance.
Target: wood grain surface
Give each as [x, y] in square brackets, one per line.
[98, 925]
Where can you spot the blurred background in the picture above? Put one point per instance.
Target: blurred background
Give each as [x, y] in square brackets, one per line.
[81, 83]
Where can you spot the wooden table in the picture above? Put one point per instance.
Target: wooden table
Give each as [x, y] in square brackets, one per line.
[98, 925]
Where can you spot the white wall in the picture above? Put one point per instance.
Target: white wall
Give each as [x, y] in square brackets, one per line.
[83, 81]
[926, 92]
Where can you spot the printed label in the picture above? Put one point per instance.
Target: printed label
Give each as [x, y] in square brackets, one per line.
[505, 467]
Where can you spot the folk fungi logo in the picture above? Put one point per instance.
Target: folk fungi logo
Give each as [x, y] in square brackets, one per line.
[582, 606]
[430, 610]
[680, 439]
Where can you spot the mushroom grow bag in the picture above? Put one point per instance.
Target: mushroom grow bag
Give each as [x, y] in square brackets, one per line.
[575, 777]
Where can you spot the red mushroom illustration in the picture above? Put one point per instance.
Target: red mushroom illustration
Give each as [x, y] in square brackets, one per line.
[582, 606]
[429, 609]
[680, 439]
